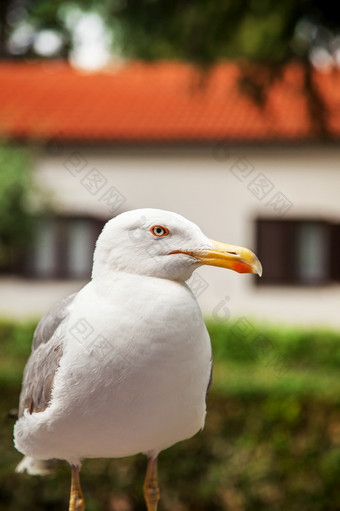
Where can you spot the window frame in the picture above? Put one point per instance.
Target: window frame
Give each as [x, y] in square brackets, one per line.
[26, 264]
[290, 276]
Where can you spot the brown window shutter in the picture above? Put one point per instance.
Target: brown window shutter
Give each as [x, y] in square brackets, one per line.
[275, 249]
[298, 252]
[335, 252]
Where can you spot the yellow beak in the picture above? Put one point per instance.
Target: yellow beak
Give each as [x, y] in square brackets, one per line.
[235, 258]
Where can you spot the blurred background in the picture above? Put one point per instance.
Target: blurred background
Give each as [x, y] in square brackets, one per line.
[228, 113]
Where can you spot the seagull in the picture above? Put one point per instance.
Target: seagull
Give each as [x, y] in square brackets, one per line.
[124, 365]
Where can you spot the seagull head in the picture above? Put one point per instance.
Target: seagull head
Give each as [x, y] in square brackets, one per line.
[162, 244]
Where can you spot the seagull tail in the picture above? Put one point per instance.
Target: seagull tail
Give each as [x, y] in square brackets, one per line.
[36, 467]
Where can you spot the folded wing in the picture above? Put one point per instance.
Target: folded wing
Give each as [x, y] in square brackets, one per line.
[47, 350]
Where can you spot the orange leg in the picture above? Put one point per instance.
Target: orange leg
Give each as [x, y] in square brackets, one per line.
[151, 489]
[77, 502]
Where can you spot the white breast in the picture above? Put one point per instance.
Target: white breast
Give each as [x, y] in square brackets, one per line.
[132, 379]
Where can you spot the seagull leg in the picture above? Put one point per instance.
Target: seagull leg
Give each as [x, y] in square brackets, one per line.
[77, 502]
[151, 489]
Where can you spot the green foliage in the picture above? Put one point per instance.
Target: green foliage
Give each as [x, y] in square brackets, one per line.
[206, 31]
[245, 341]
[271, 441]
[203, 31]
[15, 346]
[15, 190]
[252, 360]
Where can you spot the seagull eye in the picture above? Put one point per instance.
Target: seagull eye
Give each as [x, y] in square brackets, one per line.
[159, 230]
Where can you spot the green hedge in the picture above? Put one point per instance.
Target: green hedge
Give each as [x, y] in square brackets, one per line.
[253, 359]
[244, 341]
[15, 346]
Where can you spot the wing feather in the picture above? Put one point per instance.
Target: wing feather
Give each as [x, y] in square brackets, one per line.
[47, 350]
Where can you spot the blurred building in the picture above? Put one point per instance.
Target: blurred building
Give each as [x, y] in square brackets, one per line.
[164, 136]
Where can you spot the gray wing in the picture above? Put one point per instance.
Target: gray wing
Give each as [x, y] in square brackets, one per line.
[50, 321]
[44, 360]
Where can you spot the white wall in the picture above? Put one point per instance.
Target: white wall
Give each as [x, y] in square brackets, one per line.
[201, 184]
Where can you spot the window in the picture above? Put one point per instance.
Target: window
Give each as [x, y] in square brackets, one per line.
[62, 248]
[303, 252]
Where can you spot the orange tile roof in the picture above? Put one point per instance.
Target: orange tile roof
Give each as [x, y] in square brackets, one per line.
[159, 102]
